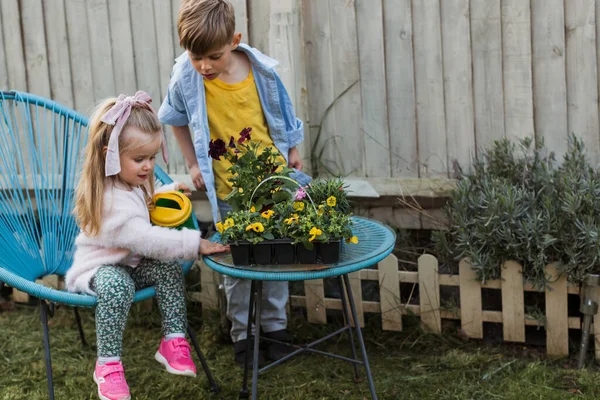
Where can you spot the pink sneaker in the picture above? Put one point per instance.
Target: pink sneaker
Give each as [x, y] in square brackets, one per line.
[174, 354]
[110, 378]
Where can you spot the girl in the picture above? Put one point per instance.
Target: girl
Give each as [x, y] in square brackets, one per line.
[118, 251]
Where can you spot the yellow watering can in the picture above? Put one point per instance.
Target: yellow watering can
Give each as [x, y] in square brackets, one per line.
[172, 210]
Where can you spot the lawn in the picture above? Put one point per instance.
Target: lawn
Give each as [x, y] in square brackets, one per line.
[407, 365]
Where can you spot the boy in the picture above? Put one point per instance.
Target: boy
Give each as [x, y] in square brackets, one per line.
[220, 86]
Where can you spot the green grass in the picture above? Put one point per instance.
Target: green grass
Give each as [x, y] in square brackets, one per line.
[407, 365]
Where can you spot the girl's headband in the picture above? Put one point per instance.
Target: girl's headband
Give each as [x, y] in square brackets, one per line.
[117, 116]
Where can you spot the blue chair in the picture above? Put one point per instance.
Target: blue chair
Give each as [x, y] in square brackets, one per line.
[41, 147]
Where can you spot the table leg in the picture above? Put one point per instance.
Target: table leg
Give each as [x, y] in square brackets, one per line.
[360, 337]
[349, 325]
[244, 391]
[256, 339]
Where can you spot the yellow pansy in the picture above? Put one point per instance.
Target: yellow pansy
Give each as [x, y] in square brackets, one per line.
[331, 201]
[220, 227]
[241, 190]
[353, 240]
[267, 214]
[228, 223]
[291, 220]
[298, 206]
[314, 232]
[256, 227]
[321, 210]
[252, 209]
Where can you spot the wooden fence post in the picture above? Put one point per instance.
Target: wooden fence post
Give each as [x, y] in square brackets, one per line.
[429, 293]
[355, 283]
[557, 314]
[389, 293]
[315, 301]
[471, 315]
[513, 307]
[209, 283]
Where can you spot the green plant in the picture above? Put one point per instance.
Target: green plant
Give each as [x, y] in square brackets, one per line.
[517, 204]
[320, 190]
[252, 164]
[249, 225]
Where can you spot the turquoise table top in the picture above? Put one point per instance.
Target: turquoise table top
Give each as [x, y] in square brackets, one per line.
[375, 242]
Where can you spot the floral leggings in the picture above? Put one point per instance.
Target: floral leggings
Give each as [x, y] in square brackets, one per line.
[115, 286]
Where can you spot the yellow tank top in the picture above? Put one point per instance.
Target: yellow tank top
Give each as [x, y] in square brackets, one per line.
[231, 108]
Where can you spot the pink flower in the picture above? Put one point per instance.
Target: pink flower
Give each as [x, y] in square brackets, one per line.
[300, 194]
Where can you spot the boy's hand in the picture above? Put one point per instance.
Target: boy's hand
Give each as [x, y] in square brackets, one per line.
[207, 247]
[295, 161]
[197, 178]
[186, 190]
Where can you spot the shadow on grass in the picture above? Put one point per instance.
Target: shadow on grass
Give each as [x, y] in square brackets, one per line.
[407, 365]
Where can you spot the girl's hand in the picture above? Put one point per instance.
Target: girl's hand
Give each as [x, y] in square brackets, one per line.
[208, 247]
[197, 178]
[294, 159]
[186, 190]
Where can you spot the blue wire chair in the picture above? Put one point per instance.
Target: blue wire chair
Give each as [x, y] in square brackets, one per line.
[41, 147]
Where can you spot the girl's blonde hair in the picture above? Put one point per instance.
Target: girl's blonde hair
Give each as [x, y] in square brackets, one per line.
[89, 193]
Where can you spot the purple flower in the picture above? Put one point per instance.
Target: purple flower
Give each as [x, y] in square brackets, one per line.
[244, 135]
[216, 149]
[300, 194]
[232, 143]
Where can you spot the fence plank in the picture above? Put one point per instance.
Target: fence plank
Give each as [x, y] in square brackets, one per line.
[582, 77]
[348, 155]
[513, 308]
[596, 322]
[209, 282]
[122, 47]
[177, 50]
[458, 83]
[369, 23]
[144, 47]
[315, 301]
[102, 62]
[355, 284]
[241, 18]
[400, 87]
[58, 53]
[429, 293]
[13, 48]
[319, 79]
[429, 89]
[486, 41]
[3, 68]
[550, 90]
[516, 58]
[471, 317]
[389, 293]
[81, 67]
[557, 314]
[34, 42]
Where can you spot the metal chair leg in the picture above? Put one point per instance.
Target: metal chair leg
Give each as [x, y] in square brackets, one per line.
[348, 324]
[256, 340]
[213, 385]
[360, 337]
[44, 313]
[244, 394]
[80, 327]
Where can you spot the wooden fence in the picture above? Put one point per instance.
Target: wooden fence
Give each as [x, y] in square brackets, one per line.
[396, 88]
[430, 309]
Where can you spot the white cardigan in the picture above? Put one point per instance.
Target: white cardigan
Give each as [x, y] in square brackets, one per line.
[126, 230]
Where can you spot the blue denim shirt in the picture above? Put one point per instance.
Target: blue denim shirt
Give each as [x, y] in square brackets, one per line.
[185, 104]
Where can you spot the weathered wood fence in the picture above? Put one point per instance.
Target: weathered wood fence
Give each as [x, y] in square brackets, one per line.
[471, 313]
[429, 309]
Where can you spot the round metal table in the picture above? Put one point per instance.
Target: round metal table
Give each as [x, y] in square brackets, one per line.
[376, 241]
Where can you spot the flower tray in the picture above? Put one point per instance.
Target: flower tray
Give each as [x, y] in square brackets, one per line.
[283, 251]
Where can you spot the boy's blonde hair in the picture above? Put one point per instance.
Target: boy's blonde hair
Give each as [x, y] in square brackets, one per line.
[89, 193]
[205, 25]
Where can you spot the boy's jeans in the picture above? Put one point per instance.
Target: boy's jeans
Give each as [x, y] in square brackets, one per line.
[275, 296]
